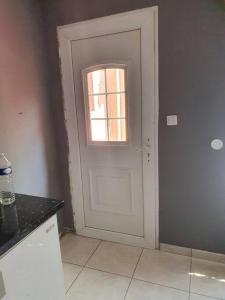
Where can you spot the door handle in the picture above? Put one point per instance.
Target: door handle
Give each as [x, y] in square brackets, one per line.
[145, 151]
[2, 286]
[145, 148]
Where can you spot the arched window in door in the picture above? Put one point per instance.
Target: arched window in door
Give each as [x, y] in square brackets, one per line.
[105, 94]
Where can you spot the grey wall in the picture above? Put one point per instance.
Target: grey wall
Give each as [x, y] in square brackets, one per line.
[192, 85]
[26, 130]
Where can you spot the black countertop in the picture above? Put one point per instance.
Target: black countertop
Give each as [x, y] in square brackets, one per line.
[20, 219]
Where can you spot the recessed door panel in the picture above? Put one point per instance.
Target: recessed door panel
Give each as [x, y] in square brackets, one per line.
[105, 180]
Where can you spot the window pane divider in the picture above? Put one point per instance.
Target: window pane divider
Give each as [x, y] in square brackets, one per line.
[106, 103]
[110, 118]
[106, 93]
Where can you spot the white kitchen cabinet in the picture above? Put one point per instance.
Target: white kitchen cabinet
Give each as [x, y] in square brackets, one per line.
[32, 270]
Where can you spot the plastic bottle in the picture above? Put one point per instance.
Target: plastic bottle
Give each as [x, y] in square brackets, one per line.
[7, 195]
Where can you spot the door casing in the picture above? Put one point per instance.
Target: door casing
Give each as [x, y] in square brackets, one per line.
[145, 20]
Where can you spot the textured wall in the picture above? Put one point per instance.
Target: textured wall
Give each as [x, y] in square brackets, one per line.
[192, 85]
[26, 131]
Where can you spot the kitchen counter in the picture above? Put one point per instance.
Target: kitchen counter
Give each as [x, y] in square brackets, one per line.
[20, 219]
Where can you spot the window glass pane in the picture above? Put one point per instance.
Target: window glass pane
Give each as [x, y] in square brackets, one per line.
[97, 106]
[115, 80]
[99, 130]
[96, 82]
[107, 104]
[116, 106]
[117, 130]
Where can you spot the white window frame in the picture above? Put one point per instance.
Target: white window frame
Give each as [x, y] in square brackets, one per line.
[87, 110]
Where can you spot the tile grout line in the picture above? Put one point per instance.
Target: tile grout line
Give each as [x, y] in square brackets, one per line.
[139, 258]
[74, 280]
[190, 278]
[142, 280]
[94, 251]
[70, 263]
[165, 286]
[191, 281]
[82, 267]
[128, 288]
[99, 270]
[133, 273]
[212, 298]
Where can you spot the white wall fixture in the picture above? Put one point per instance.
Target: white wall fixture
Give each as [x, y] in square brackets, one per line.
[217, 144]
[171, 120]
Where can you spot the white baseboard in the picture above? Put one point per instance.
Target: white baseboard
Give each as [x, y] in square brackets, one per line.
[175, 249]
[195, 253]
[217, 257]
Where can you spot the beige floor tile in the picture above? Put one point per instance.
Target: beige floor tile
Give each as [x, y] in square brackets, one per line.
[115, 258]
[96, 285]
[164, 268]
[199, 297]
[77, 249]
[70, 274]
[140, 290]
[208, 278]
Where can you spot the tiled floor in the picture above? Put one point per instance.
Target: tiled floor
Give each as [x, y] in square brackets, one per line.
[100, 270]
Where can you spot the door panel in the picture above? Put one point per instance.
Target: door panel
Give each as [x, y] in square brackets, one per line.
[102, 181]
[112, 173]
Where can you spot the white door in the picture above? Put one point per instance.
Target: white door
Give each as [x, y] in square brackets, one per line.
[115, 114]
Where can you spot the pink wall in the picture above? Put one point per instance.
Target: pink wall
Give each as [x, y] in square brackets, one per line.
[26, 131]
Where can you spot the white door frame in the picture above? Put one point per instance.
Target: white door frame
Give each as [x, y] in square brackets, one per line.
[145, 20]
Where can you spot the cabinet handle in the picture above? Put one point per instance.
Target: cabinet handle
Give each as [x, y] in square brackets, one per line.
[2, 286]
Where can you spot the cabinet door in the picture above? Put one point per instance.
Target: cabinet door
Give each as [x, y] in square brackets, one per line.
[33, 269]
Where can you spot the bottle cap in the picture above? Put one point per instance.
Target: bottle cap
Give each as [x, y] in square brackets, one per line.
[4, 163]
